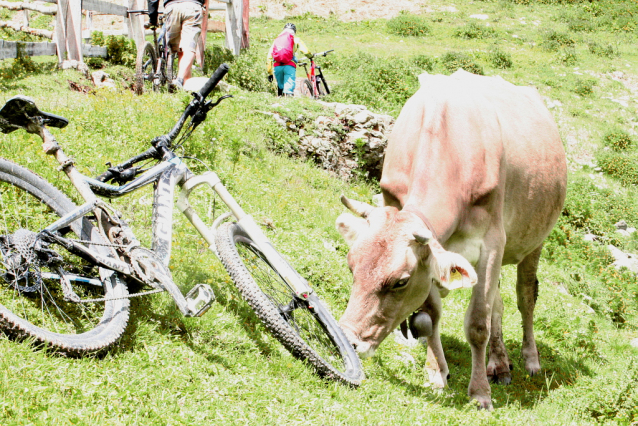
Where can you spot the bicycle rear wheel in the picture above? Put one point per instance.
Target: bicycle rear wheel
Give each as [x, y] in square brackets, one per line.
[145, 68]
[35, 303]
[304, 326]
[306, 89]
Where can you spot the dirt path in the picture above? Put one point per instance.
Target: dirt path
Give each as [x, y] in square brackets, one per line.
[353, 10]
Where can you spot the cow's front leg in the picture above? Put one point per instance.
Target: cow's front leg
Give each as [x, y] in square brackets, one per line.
[435, 364]
[498, 365]
[478, 320]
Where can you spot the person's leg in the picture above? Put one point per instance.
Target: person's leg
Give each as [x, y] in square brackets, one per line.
[290, 74]
[280, 76]
[190, 34]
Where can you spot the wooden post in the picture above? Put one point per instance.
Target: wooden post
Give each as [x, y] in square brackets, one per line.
[245, 44]
[68, 30]
[135, 23]
[201, 46]
[234, 13]
[26, 15]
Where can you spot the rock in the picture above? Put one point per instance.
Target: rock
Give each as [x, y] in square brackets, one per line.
[362, 116]
[624, 260]
[634, 343]
[621, 225]
[479, 16]
[102, 79]
[590, 237]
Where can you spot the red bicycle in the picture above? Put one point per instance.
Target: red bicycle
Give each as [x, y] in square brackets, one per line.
[315, 85]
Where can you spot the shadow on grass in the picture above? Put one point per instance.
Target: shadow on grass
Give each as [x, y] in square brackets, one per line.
[525, 391]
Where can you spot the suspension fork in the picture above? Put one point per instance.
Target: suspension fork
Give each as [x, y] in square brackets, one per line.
[295, 281]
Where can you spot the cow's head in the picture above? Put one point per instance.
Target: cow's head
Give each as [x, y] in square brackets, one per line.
[394, 260]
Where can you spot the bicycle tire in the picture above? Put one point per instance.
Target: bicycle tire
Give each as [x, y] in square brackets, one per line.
[145, 64]
[307, 330]
[320, 92]
[43, 315]
[307, 88]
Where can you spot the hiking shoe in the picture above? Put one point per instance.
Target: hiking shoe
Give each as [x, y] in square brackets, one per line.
[178, 83]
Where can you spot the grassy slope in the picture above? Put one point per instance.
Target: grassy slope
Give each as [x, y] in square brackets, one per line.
[222, 368]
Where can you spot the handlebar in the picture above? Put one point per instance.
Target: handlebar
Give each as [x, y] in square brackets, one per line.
[197, 109]
[323, 53]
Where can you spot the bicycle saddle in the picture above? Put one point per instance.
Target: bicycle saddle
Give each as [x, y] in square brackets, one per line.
[20, 110]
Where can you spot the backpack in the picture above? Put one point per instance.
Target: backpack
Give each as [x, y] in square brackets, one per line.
[283, 48]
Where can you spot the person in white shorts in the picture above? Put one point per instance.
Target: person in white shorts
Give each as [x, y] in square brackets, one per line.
[183, 20]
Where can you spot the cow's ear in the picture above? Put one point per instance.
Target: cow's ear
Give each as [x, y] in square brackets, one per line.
[351, 227]
[451, 270]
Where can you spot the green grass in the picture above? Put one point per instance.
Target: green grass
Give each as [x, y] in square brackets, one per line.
[223, 368]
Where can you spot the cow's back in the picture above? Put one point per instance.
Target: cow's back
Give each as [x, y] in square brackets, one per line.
[467, 140]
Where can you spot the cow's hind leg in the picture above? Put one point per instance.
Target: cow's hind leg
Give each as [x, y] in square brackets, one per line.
[498, 366]
[527, 292]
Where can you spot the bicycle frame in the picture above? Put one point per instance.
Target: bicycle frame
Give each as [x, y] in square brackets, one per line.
[315, 76]
[168, 175]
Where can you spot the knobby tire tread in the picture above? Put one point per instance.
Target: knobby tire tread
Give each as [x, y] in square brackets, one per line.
[147, 50]
[116, 312]
[270, 316]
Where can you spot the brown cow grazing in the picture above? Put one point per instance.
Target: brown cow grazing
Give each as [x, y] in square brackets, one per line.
[474, 178]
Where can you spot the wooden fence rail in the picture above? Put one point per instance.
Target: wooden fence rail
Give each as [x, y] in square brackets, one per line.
[67, 35]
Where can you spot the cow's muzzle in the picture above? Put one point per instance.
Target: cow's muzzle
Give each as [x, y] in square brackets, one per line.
[364, 349]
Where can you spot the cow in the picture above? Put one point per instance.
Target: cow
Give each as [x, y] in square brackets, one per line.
[474, 177]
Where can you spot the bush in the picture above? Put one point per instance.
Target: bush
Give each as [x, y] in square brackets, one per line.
[618, 140]
[452, 61]
[554, 40]
[247, 72]
[584, 87]
[424, 62]
[379, 83]
[567, 56]
[500, 59]
[120, 50]
[608, 51]
[215, 56]
[407, 25]
[474, 30]
[621, 166]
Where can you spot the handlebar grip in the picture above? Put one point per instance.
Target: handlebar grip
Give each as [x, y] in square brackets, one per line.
[213, 80]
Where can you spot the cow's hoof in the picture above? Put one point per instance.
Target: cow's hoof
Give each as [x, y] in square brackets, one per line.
[502, 378]
[483, 403]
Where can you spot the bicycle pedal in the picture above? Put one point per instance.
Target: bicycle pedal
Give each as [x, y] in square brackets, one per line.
[199, 299]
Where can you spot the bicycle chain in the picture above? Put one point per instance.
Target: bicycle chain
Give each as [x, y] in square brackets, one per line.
[130, 296]
[108, 299]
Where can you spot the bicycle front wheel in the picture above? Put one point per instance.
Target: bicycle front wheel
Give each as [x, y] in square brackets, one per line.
[304, 326]
[145, 68]
[41, 282]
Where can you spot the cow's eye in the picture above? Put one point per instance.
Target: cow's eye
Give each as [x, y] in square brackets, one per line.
[401, 284]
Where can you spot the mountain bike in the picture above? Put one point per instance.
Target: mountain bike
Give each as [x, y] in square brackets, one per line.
[65, 269]
[315, 85]
[155, 65]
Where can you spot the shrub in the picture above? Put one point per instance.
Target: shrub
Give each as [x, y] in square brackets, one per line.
[407, 25]
[584, 87]
[120, 50]
[621, 166]
[567, 56]
[424, 62]
[246, 72]
[379, 83]
[215, 56]
[618, 140]
[452, 61]
[608, 51]
[474, 30]
[554, 40]
[500, 59]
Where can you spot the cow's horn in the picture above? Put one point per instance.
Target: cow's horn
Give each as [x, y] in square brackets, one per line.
[422, 236]
[357, 207]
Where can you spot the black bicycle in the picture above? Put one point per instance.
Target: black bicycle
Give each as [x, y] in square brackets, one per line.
[155, 66]
[64, 268]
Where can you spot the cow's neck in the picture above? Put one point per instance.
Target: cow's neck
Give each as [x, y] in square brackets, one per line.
[425, 220]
